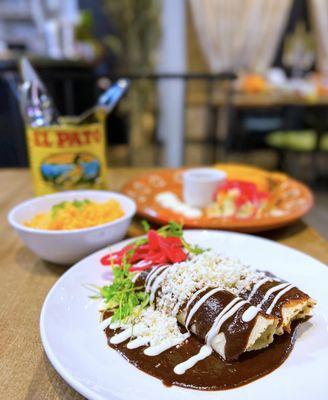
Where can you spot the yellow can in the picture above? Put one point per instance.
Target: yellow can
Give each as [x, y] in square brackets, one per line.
[67, 157]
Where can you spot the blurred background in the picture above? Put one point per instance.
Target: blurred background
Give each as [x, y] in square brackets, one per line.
[241, 81]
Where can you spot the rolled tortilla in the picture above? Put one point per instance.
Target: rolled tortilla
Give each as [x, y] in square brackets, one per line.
[262, 289]
[227, 323]
[280, 299]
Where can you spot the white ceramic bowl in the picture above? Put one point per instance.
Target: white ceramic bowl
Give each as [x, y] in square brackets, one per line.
[68, 246]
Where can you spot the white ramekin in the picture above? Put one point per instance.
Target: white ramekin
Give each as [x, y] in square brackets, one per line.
[200, 184]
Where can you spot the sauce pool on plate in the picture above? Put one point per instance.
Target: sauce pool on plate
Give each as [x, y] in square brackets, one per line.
[211, 373]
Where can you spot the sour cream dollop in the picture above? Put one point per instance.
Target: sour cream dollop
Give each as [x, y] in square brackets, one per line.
[171, 201]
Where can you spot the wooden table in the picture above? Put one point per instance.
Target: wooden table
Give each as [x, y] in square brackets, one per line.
[25, 372]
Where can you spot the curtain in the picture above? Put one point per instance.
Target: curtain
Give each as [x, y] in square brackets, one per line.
[239, 34]
[319, 20]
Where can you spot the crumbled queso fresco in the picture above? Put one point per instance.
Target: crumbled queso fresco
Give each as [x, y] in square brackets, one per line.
[156, 326]
[181, 280]
[152, 328]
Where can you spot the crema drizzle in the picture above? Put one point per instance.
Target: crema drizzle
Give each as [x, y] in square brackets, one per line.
[256, 287]
[152, 275]
[199, 303]
[229, 310]
[226, 313]
[278, 296]
[271, 291]
[156, 284]
[203, 353]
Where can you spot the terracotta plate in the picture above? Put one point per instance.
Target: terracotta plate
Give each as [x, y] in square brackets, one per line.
[294, 199]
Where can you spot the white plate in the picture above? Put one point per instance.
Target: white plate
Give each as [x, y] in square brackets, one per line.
[77, 347]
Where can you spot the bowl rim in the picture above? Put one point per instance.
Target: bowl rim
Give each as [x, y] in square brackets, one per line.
[213, 175]
[19, 226]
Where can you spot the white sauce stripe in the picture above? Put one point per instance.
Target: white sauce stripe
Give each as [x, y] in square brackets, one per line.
[154, 269]
[136, 276]
[152, 275]
[115, 325]
[256, 287]
[278, 296]
[250, 314]
[121, 337]
[204, 352]
[271, 291]
[156, 350]
[134, 344]
[217, 319]
[155, 285]
[105, 323]
[199, 303]
[195, 295]
[215, 329]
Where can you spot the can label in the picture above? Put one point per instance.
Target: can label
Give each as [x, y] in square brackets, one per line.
[67, 157]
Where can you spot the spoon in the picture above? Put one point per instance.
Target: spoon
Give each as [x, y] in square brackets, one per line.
[105, 104]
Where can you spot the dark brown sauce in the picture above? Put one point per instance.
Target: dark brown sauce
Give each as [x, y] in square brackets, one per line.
[212, 373]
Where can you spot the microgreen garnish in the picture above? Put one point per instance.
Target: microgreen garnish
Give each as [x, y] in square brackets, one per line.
[122, 297]
[192, 249]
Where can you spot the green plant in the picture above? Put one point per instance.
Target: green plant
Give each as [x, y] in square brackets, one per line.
[138, 29]
[137, 24]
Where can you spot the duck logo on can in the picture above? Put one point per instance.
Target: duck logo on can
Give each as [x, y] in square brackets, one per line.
[70, 170]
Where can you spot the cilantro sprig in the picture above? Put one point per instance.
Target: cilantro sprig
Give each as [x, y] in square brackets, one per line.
[122, 297]
[176, 230]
